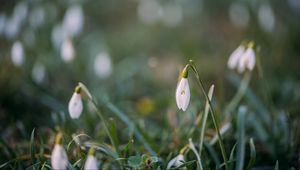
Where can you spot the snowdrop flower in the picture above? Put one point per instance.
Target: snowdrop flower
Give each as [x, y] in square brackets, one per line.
[67, 50]
[183, 91]
[242, 58]
[75, 104]
[235, 57]
[91, 161]
[59, 159]
[176, 162]
[247, 60]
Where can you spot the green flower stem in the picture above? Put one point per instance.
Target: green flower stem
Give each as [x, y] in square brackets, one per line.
[212, 113]
[239, 94]
[104, 124]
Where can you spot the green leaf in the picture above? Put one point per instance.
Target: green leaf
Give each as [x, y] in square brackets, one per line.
[231, 159]
[252, 154]
[134, 161]
[240, 156]
[32, 147]
[276, 165]
[114, 134]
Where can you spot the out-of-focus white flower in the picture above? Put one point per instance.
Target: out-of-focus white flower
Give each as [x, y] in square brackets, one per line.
[242, 58]
[59, 158]
[235, 57]
[17, 54]
[103, 65]
[176, 162]
[247, 60]
[38, 72]
[73, 20]
[183, 91]
[67, 50]
[91, 161]
[75, 104]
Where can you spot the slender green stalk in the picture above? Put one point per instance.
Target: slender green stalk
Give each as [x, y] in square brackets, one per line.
[212, 113]
[239, 94]
[104, 124]
[94, 104]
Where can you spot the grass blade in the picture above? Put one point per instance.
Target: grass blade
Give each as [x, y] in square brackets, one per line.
[252, 154]
[240, 157]
[32, 147]
[231, 159]
[206, 110]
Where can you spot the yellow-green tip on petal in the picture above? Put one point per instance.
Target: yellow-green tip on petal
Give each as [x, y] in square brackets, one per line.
[58, 139]
[77, 89]
[251, 44]
[184, 73]
[92, 151]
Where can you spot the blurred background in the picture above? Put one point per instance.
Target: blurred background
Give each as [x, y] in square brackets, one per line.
[131, 52]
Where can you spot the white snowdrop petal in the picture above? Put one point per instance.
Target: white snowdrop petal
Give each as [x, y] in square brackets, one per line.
[75, 106]
[178, 94]
[175, 162]
[91, 163]
[59, 158]
[183, 94]
[186, 97]
[235, 57]
[251, 61]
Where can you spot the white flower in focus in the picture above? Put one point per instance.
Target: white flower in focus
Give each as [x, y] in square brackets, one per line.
[247, 60]
[67, 50]
[91, 163]
[59, 158]
[17, 54]
[75, 104]
[235, 57]
[176, 162]
[183, 92]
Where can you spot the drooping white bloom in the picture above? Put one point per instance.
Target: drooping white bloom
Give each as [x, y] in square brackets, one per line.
[59, 158]
[247, 60]
[67, 50]
[17, 54]
[75, 104]
[183, 94]
[91, 163]
[176, 162]
[235, 57]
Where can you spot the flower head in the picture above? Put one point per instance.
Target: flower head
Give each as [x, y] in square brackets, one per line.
[59, 159]
[242, 58]
[176, 162]
[247, 60]
[91, 161]
[183, 91]
[75, 104]
[234, 58]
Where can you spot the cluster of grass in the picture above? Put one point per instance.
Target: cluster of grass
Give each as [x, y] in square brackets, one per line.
[236, 137]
